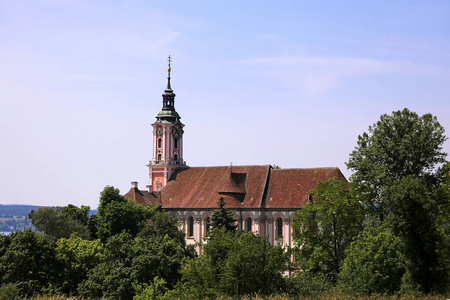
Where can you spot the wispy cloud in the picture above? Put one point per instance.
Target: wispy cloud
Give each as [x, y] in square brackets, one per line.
[317, 75]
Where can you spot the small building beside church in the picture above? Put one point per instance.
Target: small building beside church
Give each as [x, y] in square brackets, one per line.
[264, 199]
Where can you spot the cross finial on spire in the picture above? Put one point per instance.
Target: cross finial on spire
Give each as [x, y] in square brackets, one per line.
[169, 59]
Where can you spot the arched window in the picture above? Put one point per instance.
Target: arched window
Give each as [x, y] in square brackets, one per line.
[279, 228]
[175, 143]
[159, 156]
[207, 224]
[159, 143]
[190, 226]
[248, 224]
[175, 157]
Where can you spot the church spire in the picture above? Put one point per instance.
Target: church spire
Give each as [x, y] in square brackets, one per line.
[168, 112]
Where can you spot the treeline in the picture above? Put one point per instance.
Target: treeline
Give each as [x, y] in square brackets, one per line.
[130, 251]
[15, 210]
[385, 231]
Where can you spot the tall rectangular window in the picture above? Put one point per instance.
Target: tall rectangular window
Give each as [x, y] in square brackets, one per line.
[190, 231]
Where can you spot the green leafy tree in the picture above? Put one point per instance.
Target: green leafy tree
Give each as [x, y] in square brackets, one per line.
[413, 217]
[442, 194]
[29, 261]
[117, 214]
[396, 171]
[131, 262]
[223, 217]
[308, 284]
[374, 264]
[58, 222]
[156, 290]
[234, 263]
[80, 214]
[398, 145]
[78, 256]
[162, 224]
[324, 227]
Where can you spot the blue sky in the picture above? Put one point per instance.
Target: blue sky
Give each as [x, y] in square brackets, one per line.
[291, 83]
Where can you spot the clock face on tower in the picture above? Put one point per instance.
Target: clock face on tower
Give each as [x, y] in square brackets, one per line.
[159, 131]
[177, 131]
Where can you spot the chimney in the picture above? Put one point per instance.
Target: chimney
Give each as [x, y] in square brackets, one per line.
[134, 184]
[149, 188]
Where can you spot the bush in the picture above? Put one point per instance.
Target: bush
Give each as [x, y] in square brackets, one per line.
[9, 291]
[309, 284]
[234, 264]
[374, 263]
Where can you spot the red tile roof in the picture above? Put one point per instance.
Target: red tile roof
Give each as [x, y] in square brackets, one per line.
[201, 187]
[289, 188]
[142, 197]
[243, 186]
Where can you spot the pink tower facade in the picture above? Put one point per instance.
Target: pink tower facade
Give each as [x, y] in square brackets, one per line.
[167, 141]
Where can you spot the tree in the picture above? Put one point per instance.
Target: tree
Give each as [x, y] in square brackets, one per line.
[397, 173]
[324, 227]
[160, 225]
[374, 263]
[442, 194]
[223, 217]
[78, 256]
[29, 261]
[80, 214]
[413, 217]
[117, 214]
[234, 263]
[131, 262]
[398, 145]
[58, 222]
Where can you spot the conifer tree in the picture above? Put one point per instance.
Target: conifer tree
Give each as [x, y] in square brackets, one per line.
[223, 217]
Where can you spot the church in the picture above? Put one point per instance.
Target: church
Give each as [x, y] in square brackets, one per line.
[264, 199]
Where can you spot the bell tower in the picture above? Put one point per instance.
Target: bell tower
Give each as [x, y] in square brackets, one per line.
[167, 141]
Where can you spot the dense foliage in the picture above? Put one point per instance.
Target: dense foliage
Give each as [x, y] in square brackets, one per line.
[29, 261]
[387, 230]
[397, 174]
[234, 263]
[326, 226]
[375, 263]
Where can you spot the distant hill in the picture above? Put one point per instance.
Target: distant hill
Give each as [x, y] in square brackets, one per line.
[18, 210]
[8, 211]
[14, 217]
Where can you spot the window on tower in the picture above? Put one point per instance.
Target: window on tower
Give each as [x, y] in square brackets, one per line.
[158, 185]
[175, 157]
[175, 143]
[159, 143]
[159, 156]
